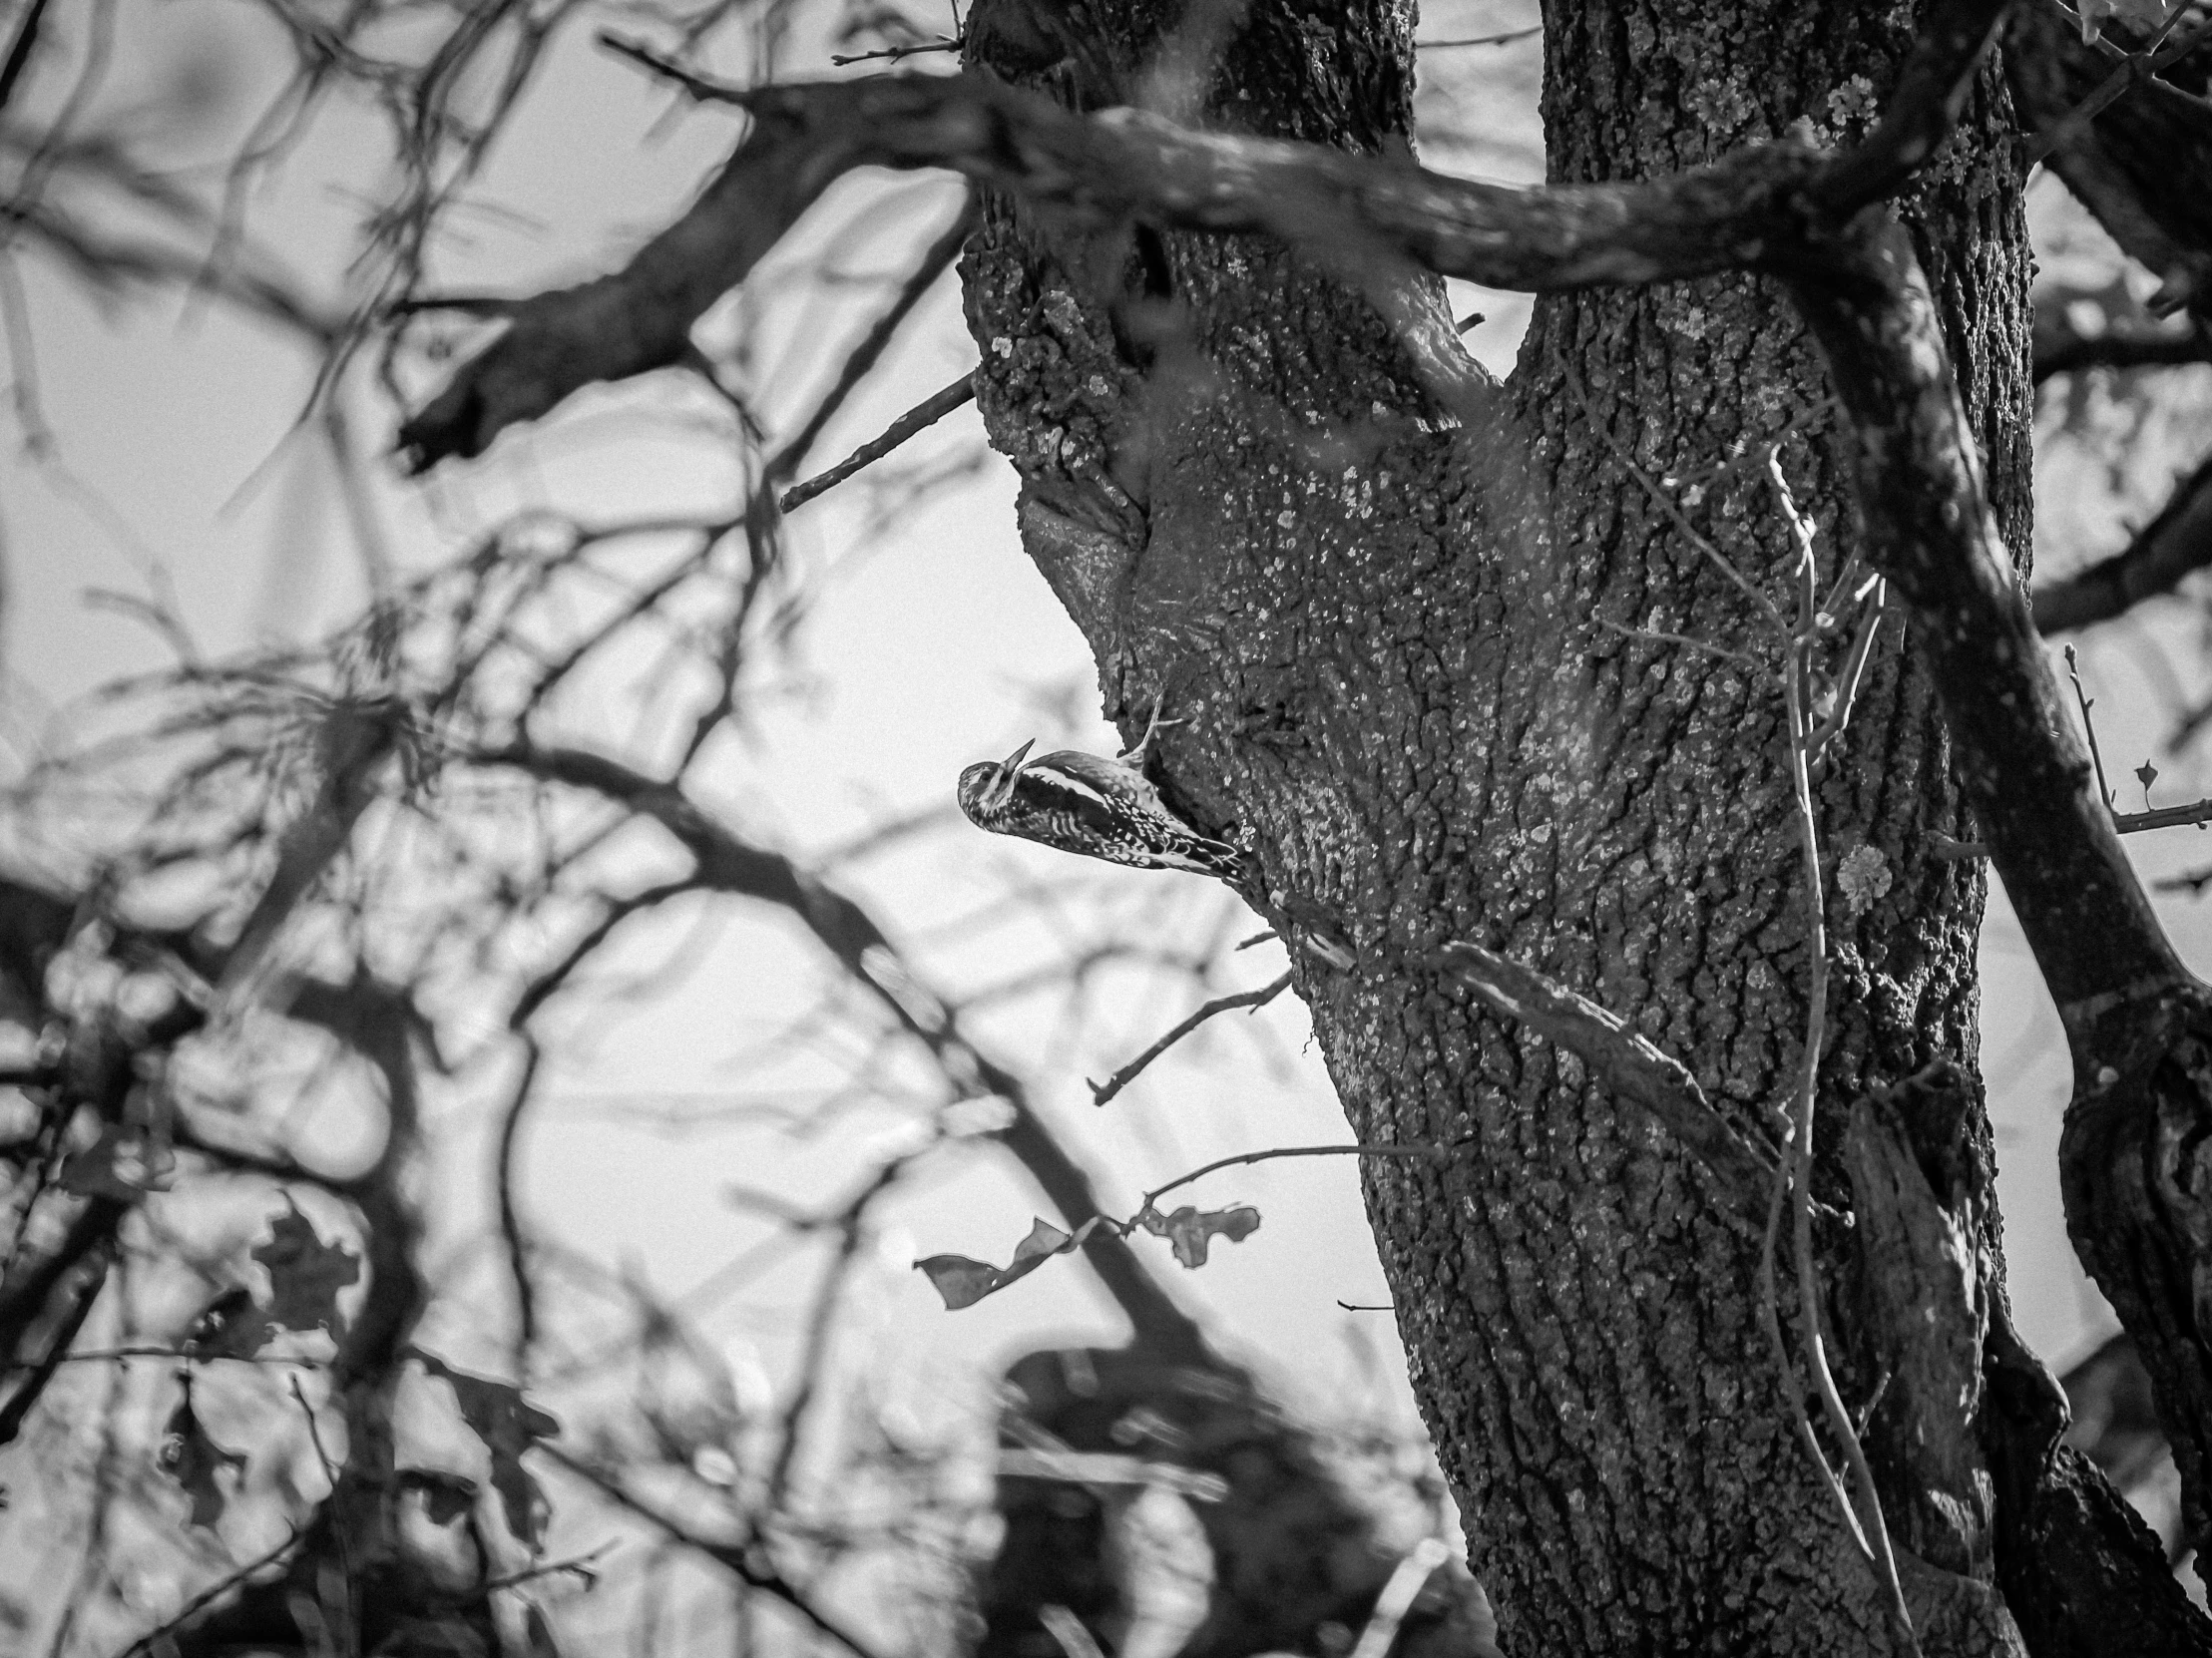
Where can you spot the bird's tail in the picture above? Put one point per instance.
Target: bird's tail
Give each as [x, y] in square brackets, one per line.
[1221, 859]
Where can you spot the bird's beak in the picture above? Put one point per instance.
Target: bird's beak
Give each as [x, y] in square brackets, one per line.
[1010, 767]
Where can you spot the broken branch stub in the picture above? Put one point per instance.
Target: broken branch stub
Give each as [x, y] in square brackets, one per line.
[1622, 1061]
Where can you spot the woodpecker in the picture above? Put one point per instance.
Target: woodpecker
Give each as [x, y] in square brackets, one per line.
[1084, 803]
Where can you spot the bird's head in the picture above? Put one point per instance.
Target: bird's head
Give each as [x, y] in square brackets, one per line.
[986, 788]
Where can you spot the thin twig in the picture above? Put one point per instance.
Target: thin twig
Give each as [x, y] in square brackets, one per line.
[2135, 67]
[733, 1557]
[2088, 726]
[919, 418]
[1665, 502]
[314, 1434]
[1504, 38]
[1656, 635]
[208, 1596]
[329, 1473]
[700, 89]
[1101, 1093]
[852, 1234]
[936, 259]
[2197, 812]
[19, 54]
[580, 1564]
[1433, 1154]
[1864, 1515]
[110, 1355]
[892, 54]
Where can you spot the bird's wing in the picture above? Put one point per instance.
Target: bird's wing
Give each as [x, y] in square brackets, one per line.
[1109, 780]
[1086, 804]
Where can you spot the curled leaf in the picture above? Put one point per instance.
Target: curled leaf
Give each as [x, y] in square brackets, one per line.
[964, 1282]
[509, 1425]
[1190, 1231]
[119, 1164]
[305, 1275]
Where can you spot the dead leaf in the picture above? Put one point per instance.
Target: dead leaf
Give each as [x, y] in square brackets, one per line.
[119, 1164]
[233, 1326]
[305, 1275]
[189, 1457]
[509, 1425]
[445, 1497]
[964, 1282]
[1190, 1231]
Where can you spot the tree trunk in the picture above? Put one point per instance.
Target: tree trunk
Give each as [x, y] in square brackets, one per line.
[1416, 654]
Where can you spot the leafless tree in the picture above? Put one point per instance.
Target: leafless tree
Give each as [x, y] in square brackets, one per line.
[1616, 750]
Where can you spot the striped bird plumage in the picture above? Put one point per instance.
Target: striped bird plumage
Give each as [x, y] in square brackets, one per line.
[1088, 804]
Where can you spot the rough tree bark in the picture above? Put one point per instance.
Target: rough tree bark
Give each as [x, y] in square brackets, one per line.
[1386, 632]
[1454, 670]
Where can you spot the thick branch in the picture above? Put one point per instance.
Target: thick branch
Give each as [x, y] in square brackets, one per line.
[638, 318]
[2139, 1024]
[1372, 210]
[2059, 350]
[2095, 938]
[2175, 543]
[2139, 165]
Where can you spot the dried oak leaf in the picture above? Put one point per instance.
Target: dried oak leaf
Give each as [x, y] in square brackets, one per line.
[119, 1164]
[509, 1425]
[1190, 1231]
[964, 1282]
[189, 1457]
[445, 1497]
[305, 1275]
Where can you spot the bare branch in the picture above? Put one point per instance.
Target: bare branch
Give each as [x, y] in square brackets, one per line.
[1929, 531]
[2062, 351]
[19, 52]
[1505, 37]
[1378, 213]
[919, 418]
[1626, 1064]
[207, 1597]
[638, 318]
[1428, 1153]
[735, 1558]
[892, 54]
[2139, 166]
[936, 259]
[1101, 1093]
[2175, 543]
[2132, 70]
